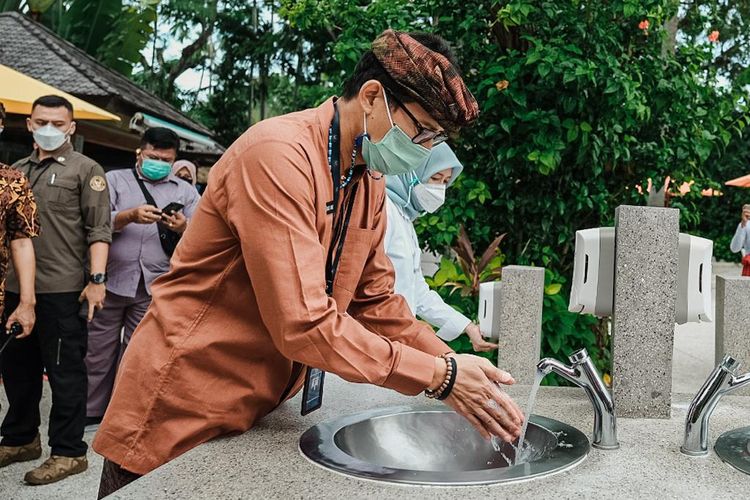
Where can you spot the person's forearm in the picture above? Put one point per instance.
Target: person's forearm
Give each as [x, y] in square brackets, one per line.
[122, 219]
[24, 262]
[738, 241]
[98, 252]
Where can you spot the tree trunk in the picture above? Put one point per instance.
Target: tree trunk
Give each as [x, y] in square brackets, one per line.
[670, 41]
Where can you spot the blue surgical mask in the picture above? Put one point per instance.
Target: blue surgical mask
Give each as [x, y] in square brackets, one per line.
[394, 154]
[155, 170]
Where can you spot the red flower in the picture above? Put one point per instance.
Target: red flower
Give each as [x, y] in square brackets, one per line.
[643, 25]
[714, 36]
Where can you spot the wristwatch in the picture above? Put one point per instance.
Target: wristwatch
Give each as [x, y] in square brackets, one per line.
[98, 278]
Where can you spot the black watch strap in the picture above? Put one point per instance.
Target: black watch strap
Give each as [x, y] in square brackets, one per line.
[98, 278]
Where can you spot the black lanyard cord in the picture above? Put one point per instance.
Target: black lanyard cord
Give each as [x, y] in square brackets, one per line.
[340, 218]
[334, 265]
[312, 394]
[334, 156]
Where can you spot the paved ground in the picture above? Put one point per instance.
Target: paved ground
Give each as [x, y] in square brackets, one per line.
[693, 360]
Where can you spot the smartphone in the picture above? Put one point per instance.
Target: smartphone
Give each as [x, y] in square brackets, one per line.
[83, 311]
[172, 208]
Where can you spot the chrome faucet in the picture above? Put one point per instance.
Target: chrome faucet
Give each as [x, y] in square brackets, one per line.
[584, 374]
[722, 380]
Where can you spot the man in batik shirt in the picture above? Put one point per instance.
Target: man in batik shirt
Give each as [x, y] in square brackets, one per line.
[18, 224]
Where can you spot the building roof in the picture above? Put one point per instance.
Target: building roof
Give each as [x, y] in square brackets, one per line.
[36, 51]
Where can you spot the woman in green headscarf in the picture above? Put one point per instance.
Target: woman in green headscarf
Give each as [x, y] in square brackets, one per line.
[409, 196]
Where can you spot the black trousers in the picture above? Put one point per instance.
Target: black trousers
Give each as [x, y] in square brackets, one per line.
[113, 478]
[57, 343]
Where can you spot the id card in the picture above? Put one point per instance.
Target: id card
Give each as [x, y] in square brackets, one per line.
[312, 393]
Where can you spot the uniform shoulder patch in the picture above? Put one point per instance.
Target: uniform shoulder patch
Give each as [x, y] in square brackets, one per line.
[97, 183]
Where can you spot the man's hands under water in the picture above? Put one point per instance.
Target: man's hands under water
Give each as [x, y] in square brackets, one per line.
[476, 396]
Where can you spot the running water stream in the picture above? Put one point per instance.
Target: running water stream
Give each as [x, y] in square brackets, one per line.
[523, 450]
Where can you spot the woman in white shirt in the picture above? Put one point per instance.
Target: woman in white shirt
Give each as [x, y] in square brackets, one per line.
[409, 196]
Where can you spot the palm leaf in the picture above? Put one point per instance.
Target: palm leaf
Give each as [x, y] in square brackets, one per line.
[490, 252]
[463, 248]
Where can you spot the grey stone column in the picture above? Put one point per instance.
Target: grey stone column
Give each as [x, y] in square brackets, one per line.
[646, 258]
[520, 324]
[733, 321]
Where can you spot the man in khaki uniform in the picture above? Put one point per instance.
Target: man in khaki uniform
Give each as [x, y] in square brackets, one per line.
[73, 200]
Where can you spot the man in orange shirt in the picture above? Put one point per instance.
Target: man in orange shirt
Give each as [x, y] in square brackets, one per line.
[282, 274]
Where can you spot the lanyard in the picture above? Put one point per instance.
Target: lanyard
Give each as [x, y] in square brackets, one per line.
[312, 393]
[341, 219]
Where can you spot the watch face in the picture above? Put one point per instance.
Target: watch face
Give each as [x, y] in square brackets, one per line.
[98, 279]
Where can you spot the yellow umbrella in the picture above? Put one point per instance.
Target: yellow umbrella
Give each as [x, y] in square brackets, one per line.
[18, 92]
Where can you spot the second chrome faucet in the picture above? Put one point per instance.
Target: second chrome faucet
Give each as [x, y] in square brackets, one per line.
[723, 379]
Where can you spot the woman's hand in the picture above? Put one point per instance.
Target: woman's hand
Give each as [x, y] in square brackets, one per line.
[477, 339]
[477, 397]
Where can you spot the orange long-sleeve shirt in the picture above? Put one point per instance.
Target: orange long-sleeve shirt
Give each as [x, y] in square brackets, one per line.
[245, 299]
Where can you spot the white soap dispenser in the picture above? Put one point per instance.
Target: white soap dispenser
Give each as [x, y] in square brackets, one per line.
[490, 298]
[593, 272]
[694, 300]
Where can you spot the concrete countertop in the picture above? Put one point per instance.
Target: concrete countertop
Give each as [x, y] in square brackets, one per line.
[265, 462]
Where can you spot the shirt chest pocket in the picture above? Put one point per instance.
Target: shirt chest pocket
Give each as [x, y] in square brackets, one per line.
[354, 256]
[63, 194]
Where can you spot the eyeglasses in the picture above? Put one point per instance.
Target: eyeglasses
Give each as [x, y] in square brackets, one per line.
[423, 134]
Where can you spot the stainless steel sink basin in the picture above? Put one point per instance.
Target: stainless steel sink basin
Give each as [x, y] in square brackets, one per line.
[733, 447]
[434, 445]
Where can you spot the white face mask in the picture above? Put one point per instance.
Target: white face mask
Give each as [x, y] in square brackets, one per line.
[428, 197]
[49, 138]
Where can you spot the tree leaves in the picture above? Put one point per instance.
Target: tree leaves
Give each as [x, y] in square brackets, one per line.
[113, 31]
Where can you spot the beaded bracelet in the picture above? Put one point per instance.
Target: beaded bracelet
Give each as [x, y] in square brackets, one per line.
[454, 371]
[443, 391]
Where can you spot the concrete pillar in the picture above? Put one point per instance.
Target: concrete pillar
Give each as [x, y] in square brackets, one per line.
[733, 321]
[646, 259]
[520, 321]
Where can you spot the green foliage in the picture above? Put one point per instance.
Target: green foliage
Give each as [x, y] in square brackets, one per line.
[123, 40]
[450, 272]
[445, 281]
[721, 214]
[191, 25]
[564, 332]
[113, 31]
[458, 282]
[730, 18]
[465, 200]
[579, 105]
